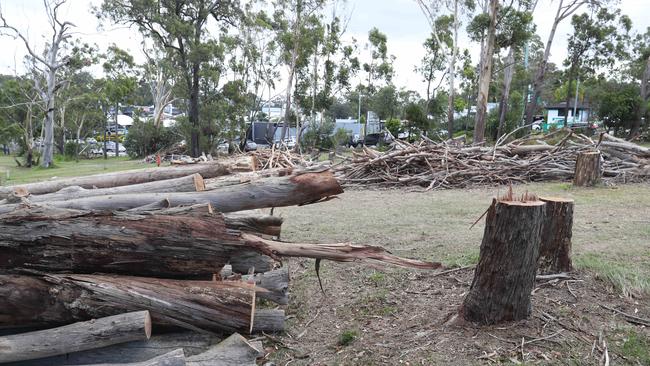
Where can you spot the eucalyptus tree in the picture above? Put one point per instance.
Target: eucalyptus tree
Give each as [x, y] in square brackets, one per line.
[640, 67]
[47, 63]
[19, 104]
[157, 73]
[565, 9]
[293, 21]
[380, 65]
[485, 72]
[599, 40]
[435, 58]
[181, 27]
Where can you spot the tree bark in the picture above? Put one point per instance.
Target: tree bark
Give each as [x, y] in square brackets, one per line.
[190, 183]
[171, 246]
[76, 337]
[505, 98]
[505, 274]
[110, 180]
[485, 76]
[254, 222]
[272, 192]
[274, 284]
[452, 75]
[588, 170]
[246, 260]
[222, 306]
[173, 358]
[555, 246]
[234, 350]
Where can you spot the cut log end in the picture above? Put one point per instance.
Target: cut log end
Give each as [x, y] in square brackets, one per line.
[199, 183]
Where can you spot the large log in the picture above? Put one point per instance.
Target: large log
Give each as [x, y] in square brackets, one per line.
[505, 274]
[275, 283]
[192, 343]
[271, 192]
[196, 305]
[196, 246]
[190, 183]
[244, 261]
[555, 245]
[76, 337]
[125, 178]
[239, 178]
[173, 358]
[234, 350]
[588, 170]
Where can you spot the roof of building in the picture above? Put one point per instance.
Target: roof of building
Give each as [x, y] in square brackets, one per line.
[562, 105]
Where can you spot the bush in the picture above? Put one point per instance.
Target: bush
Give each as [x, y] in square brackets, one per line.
[144, 138]
[70, 149]
[394, 126]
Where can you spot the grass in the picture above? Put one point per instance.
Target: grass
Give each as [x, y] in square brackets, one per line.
[347, 337]
[630, 280]
[10, 173]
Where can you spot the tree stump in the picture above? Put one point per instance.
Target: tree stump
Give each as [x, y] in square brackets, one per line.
[588, 170]
[505, 274]
[555, 247]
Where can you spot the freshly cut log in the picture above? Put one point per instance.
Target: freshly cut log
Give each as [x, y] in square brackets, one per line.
[239, 178]
[125, 178]
[192, 343]
[254, 222]
[173, 358]
[56, 240]
[588, 171]
[271, 192]
[190, 183]
[234, 350]
[505, 274]
[268, 321]
[196, 305]
[555, 245]
[275, 282]
[76, 337]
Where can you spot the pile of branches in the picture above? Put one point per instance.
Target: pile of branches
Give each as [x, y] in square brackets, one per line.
[279, 158]
[177, 246]
[450, 164]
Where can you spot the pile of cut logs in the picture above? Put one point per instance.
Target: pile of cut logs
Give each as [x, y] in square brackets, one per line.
[177, 247]
[531, 159]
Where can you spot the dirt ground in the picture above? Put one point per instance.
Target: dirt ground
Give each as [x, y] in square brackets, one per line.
[377, 315]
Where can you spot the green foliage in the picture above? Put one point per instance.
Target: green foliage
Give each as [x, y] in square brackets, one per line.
[144, 138]
[347, 337]
[618, 105]
[70, 150]
[623, 277]
[340, 137]
[636, 346]
[394, 125]
[318, 136]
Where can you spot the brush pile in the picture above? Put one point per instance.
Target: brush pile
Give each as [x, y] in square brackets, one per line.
[182, 247]
[453, 165]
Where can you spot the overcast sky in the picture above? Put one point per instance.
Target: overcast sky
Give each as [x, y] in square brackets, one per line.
[401, 20]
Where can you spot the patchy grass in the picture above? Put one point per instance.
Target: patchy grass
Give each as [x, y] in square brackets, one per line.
[12, 174]
[347, 337]
[633, 345]
[630, 280]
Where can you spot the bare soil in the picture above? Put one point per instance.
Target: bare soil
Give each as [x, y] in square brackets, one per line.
[377, 315]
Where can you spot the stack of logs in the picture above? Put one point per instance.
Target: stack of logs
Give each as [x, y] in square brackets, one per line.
[174, 247]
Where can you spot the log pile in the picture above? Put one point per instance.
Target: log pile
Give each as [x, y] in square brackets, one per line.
[451, 165]
[177, 250]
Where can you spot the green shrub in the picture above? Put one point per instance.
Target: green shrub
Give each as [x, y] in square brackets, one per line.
[144, 138]
[347, 337]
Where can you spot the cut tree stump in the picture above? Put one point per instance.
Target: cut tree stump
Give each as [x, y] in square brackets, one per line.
[195, 305]
[270, 192]
[76, 337]
[555, 246]
[125, 178]
[505, 274]
[588, 170]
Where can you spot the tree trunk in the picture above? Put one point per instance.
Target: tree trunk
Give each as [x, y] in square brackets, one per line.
[173, 358]
[485, 76]
[234, 350]
[195, 148]
[538, 82]
[190, 183]
[76, 337]
[452, 75]
[643, 109]
[52, 240]
[118, 179]
[555, 246]
[254, 222]
[505, 98]
[245, 261]
[505, 274]
[224, 306]
[567, 101]
[588, 170]
[272, 192]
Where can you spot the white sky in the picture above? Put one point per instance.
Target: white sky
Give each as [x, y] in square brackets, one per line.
[401, 20]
